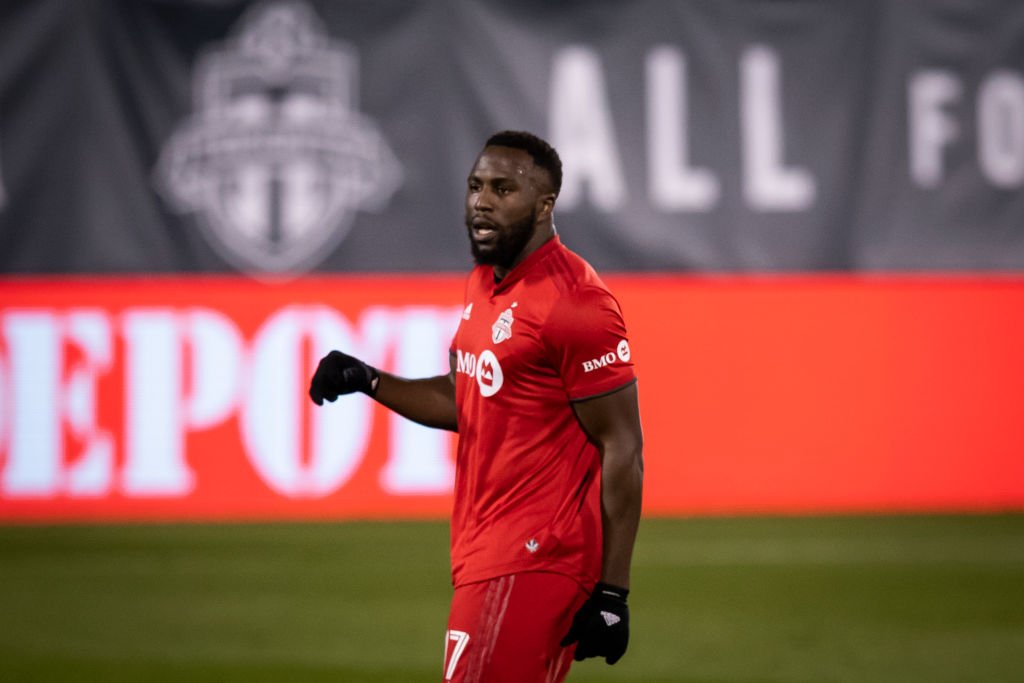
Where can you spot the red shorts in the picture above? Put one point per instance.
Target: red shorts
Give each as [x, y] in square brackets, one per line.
[508, 629]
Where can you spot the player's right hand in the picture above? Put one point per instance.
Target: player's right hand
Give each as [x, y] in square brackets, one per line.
[339, 373]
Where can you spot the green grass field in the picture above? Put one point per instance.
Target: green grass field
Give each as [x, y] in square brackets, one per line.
[746, 600]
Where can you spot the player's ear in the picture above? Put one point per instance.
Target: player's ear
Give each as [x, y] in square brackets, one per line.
[545, 204]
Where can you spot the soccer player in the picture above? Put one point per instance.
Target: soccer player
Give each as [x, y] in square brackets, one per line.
[549, 469]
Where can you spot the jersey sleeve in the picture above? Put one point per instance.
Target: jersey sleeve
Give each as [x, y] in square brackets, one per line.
[586, 340]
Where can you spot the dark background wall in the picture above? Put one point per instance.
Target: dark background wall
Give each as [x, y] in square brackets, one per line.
[164, 136]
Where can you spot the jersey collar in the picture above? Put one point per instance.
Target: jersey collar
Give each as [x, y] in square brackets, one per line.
[520, 271]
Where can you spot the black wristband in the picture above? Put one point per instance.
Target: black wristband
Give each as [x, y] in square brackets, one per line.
[610, 591]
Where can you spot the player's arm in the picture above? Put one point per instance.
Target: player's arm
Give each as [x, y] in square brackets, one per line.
[612, 422]
[429, 401]
[600, 627]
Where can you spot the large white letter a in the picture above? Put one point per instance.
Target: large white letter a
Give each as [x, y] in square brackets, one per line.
[582, 132]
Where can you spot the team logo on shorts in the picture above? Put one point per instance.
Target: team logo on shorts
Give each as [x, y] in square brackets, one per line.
[502, 329]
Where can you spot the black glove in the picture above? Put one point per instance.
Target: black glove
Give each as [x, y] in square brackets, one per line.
[601, 625]
[340, 373]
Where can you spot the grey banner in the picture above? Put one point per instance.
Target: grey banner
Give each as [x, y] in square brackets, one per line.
[289, 136]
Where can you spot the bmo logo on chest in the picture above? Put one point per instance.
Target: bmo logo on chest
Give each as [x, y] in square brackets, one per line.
[484, 368]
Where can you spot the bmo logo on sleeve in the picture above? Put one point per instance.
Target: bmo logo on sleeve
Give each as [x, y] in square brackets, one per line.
[620, 353]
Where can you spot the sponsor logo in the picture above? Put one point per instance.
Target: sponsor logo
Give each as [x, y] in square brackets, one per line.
[532, 545]
[609, 618]
[275, 159]
[597, 363]
[485, 369]
[621, 353]
[189, 369]
[502, 329]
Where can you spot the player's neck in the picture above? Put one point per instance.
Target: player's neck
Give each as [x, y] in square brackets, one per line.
[541, 235]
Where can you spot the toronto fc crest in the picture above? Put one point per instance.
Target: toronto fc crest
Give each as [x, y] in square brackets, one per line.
[502, 329]
[275, 160]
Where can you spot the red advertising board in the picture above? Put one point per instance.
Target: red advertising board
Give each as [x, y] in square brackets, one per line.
[184, 397]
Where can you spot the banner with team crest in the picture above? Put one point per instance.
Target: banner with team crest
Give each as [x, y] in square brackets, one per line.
[286, 136]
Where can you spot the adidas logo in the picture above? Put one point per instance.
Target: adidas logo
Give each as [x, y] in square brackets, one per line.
[610, 619]
[532, 545]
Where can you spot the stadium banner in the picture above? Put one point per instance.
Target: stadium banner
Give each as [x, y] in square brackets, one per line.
[184, 398]
[290, 135]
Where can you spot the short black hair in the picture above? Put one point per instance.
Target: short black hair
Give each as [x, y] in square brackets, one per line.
[543, 154]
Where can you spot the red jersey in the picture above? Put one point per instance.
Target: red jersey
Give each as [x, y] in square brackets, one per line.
[527, 482]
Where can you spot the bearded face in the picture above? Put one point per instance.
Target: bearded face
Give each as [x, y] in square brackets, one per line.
[494, 245]
[503, 193]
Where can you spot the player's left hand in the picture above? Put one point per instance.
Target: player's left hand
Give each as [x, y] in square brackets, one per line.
[601, 626]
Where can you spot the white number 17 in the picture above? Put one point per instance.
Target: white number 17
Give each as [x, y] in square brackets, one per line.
[461, 639]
